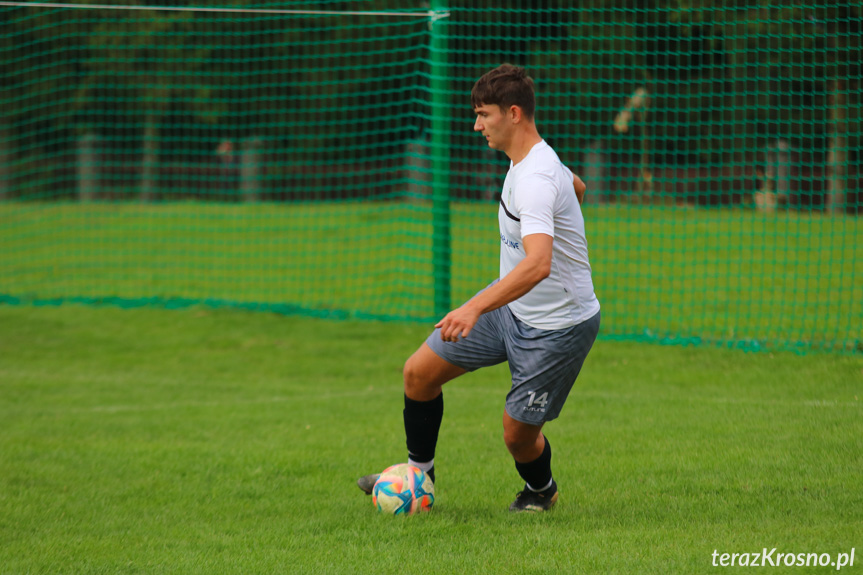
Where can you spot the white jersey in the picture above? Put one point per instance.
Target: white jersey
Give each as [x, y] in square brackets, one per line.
[538, 197]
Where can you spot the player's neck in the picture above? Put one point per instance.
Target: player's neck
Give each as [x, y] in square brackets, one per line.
[522, 143]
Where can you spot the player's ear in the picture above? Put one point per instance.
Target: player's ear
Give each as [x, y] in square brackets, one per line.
[515, 114]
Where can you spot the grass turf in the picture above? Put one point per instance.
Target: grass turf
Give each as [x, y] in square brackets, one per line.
[782, 281]
[201, 441]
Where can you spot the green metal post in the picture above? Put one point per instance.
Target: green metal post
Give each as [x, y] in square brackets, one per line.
[440, 150]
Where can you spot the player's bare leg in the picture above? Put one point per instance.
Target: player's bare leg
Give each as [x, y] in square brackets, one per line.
[524, 441]
[425, 373]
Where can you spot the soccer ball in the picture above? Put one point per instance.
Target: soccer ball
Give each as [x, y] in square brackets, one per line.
[403, 489]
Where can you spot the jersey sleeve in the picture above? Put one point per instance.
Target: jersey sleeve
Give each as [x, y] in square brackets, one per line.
[535, 204]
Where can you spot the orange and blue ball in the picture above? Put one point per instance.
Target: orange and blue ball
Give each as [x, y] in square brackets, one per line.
[403, 489]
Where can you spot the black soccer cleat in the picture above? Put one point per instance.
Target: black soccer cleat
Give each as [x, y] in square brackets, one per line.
[533, 501]
[366, 483]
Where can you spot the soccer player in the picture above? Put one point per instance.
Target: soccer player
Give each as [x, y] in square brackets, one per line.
[541, 315]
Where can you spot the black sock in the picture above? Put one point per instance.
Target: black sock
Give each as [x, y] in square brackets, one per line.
[537, 473]
[422, 424]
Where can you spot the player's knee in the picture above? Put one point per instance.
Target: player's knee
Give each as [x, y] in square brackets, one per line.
[415, 382]
[522, 441]
[516, 442]
[425, 373]
[420, 385]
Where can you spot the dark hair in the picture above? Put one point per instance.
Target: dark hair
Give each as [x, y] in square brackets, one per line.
[505, 86]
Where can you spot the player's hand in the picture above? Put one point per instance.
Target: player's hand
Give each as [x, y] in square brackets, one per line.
[458, 322]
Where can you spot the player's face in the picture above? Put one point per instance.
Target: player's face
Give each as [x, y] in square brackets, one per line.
[493, 124]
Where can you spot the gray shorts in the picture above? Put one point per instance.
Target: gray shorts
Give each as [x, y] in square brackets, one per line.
[544, 363]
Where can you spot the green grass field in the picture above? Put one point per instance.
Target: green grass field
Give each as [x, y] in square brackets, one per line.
[733, 277]
[222, 441]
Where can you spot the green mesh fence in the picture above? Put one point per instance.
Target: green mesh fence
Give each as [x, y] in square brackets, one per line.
[318, 158]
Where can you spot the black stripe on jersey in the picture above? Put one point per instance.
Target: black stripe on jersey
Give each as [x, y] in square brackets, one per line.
[509, 215]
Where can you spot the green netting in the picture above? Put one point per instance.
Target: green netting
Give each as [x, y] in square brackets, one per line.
[325, 163]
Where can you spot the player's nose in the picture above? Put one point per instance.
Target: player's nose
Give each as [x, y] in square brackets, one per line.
[477, 127]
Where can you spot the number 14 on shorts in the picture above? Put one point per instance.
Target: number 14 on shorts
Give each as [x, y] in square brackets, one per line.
[532, 399]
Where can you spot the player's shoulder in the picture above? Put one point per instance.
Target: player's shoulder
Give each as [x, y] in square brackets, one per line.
[541, 164]
[543, 158]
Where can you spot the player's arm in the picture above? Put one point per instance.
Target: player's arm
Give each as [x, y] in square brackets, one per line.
[534, 268]
[580, 188]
